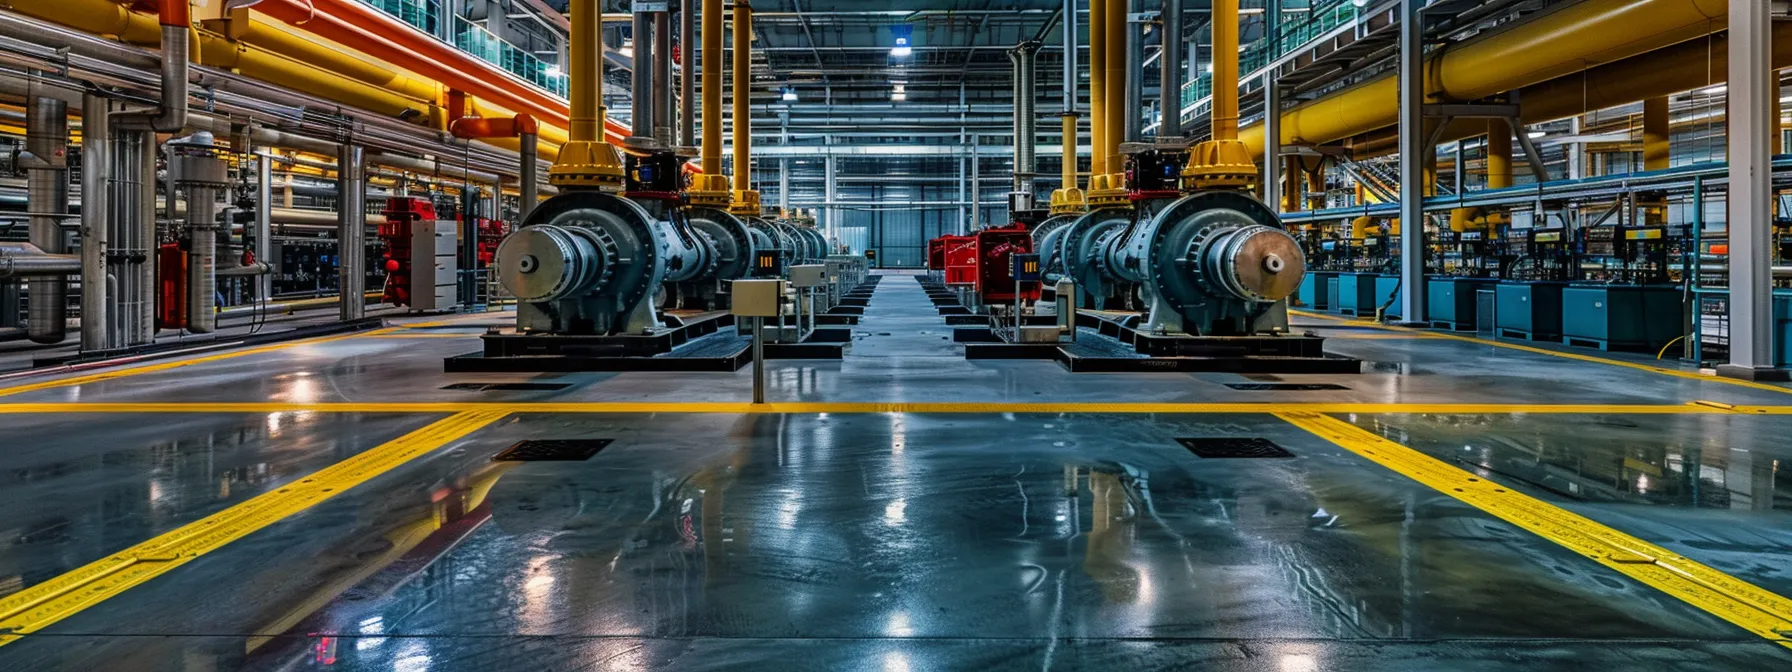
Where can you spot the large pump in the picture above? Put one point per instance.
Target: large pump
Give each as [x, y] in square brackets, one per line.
[1197, 253]
[591, 262]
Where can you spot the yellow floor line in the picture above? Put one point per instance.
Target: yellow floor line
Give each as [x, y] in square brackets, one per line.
[414, 334]
[1693, 408]
[1749, 606]
[178, 363]
[44, 604]
[1689, 375]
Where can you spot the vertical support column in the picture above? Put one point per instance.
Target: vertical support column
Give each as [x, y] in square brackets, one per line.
[832, 229]
[1070, 56]
[1751, 192]
[96, 187]
[1169, 64]
[662, 77]
[264, 223]
[976, 186]
[1098, 93]
[641, 77]
[1272, 141]
[351, 228]
[1413, 151]
[964, 174]
[687, 70]
[1115, 46]
[784, 186]
[1135, 75]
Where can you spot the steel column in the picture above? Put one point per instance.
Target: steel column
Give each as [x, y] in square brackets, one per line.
[1070, 48]
[96, 187]
[528, 175]
[351, 228]
[640, 119]
[832, 228]
[46, 164]
[264, 222]
[1135, 76]
[687, 79]
[976, 187]
[1272, 146]
[784, 187]
[662, 76]
[1169, 64]
[1413, 153]
[1751, 190]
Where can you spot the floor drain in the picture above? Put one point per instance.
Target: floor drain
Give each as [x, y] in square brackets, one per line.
[507, 387]
[552, 450]
[1234, 448]
[1284, 387]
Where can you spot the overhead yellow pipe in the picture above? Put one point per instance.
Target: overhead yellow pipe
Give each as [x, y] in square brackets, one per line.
[275, 37]
[711, 187]
[1562, 42]
[1098, 94]
[745, 200]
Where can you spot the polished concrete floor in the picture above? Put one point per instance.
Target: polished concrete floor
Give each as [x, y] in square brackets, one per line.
[976, 536]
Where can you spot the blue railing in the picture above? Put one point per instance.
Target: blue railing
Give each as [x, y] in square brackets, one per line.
[1292, 34]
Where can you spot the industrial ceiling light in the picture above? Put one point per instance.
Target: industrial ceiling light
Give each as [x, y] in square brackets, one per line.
[901, 50]
[899, 93]
[1536, 134]
[789, 95]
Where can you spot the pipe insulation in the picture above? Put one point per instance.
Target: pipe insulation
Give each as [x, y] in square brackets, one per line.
[46, 168]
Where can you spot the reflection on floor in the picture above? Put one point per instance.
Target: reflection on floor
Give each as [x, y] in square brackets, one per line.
[982, 539]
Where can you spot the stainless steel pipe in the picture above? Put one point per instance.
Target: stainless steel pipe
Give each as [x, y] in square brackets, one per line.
[46, 164]
[351, 229]
[96, 188]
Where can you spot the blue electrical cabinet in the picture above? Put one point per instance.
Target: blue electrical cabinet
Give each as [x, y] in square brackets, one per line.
[1450, 302]
[1356, 294]
[1714, 325]
[1621, 316]
[1313, 290]
[1528, 310]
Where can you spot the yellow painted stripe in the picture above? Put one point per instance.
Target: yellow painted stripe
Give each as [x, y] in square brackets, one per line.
[1751, 607]
[1677, 373]
[46, 603]
[1692, 408]
[425, 334]
[178, 363]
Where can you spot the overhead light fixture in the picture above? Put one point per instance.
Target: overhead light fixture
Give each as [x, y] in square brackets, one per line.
[899, 93]
[901, 50]
[1535, 134]
[1713, 91]
[789, 95]
[1360, 3]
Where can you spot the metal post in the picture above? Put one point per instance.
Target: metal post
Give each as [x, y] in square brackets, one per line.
[758, 360]
[1135, 77]
[832, 230]
[976, 186]
[1412, 163]
[687, 80]
[96, 187]
[784, 186]
[1751, 191]
[528, 181]
[351, 228]
[1272, 141]
[640, 119]
[1169, 64]
[662, 76]
[264, 222]
[1070, 53]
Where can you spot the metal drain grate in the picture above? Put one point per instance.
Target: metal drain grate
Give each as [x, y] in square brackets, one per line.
[1284, 387]
[552, 450]
[507, 387]
[1234, 448]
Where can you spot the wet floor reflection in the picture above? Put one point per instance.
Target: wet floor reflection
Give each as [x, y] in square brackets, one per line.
[77, 487]
[1053, 531]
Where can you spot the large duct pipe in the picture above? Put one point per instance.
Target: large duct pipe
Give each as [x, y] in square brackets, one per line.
[1169, 63]
[46, 163]
[351, 229]
[200, 172]
[96, 188]
[177, 28]
[743, 91]
[687, 77]
[1571, 39]
[24, 260]
[1098, 93]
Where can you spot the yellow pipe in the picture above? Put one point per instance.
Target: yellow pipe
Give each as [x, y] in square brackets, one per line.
[275, 37]
[1291, 198]
[1499, 154]
[711, 187]
[587, 160]
[1565, 41]
[1098, 93]
[1225, 71]
[1115, 62]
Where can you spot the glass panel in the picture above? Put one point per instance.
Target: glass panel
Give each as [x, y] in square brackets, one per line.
[426, 15]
